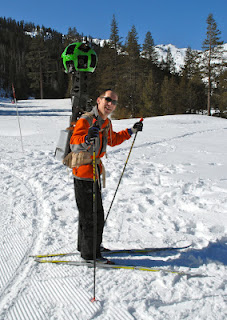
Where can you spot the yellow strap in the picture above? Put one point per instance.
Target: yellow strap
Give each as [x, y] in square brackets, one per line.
[99, 161]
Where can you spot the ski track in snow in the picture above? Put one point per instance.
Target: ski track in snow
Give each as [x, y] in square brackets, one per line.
[166, 198]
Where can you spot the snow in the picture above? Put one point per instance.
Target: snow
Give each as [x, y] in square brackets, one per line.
[173, 193]
[178, 54]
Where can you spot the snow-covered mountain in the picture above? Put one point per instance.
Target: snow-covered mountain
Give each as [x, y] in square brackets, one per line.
[178, 54]
[161, 49]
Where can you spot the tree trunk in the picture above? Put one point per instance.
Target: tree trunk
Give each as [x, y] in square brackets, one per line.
[209, 84]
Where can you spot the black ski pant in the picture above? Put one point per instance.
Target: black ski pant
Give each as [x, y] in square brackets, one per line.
[84, 200]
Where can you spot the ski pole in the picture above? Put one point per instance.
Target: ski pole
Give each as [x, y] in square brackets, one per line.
[18, 119]
[94, 215]
[122, 173]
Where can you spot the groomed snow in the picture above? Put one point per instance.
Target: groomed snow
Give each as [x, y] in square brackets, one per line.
[173, 193]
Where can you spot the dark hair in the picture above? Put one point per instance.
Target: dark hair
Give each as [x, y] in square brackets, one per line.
[103, 92]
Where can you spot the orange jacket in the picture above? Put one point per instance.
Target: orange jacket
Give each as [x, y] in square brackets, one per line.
[78, 144]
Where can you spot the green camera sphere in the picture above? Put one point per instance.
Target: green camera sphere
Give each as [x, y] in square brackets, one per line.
[79, 56]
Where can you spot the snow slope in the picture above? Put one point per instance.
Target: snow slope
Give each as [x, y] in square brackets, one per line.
[174, 192]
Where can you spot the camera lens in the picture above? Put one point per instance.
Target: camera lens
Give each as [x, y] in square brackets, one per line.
[82, 62]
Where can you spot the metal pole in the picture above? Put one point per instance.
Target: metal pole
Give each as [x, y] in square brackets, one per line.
[122, 174]
[94, 216]
[18, 118]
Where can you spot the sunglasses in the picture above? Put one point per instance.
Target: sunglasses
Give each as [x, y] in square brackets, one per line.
[108, 99]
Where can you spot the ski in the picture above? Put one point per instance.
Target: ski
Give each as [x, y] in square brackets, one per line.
[89, 264]
[120, 251]
[144, 250]
[51, 255]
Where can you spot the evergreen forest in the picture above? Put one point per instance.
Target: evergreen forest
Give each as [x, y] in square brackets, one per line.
[30, 59]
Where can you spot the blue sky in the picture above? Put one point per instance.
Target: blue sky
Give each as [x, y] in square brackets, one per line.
[181, 23]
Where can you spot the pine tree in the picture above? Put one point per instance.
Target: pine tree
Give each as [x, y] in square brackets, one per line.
[169, 96]
[115, 45]
[149, 48]
[57, 80]
[191, 64]
[105, 71]
[114, 34]
[72, 36]
[132, 68]
[37, 65]
[196, 94]
[183, 96]
[191, 88]
[213, 48]
[170, 64]
[132, 45]
[13, 46]
[222, 93]
[150, 104]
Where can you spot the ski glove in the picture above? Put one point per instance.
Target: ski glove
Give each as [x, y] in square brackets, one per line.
[93, 132]
[138, 126]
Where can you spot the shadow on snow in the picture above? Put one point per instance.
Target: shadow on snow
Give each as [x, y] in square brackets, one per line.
[215, 252]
